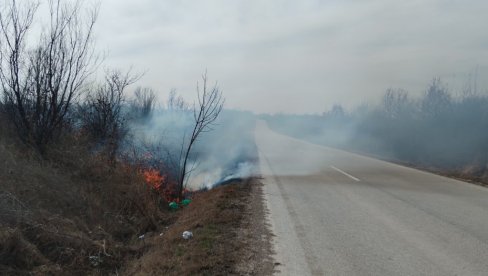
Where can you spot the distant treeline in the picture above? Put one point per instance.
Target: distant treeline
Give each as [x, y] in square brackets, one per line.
[441, 129]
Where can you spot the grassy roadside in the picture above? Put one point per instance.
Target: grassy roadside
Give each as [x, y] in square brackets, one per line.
[78, 216]
[212, 216]
[218, 219]
[73, 212]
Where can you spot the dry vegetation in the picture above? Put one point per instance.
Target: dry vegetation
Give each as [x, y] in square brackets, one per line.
[216, 219]
[443, 130]
[76, 213]
[71, 212]
[78, 195]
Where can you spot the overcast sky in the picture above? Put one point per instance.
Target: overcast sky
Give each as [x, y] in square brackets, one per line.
[297, 56]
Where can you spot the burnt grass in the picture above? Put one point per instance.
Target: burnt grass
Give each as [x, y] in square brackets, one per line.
[74, 213]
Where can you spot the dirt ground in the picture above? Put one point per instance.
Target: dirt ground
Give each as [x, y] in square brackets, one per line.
[256, 254]
[229, 236]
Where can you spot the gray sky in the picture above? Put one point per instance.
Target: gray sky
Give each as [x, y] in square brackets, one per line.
[297, 56]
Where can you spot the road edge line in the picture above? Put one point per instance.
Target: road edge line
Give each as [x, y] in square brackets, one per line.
[346, 174]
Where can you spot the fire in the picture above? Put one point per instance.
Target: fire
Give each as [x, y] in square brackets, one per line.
[162, 184]
[153, 178]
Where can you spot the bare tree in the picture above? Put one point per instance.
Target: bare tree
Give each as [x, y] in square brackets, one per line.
[436, 100]
[176, 102]
[143, 103]
[40, 84]
[337, 112]
[395, 103]
[210, 104]
[102, 116]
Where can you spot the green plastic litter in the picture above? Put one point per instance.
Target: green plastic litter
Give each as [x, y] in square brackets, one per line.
[173, 205]
[185, 202]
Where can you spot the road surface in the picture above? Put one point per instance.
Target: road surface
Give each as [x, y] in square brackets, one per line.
[338, 213]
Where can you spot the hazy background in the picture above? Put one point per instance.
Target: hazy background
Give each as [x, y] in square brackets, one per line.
[330, 62]
[297, 56]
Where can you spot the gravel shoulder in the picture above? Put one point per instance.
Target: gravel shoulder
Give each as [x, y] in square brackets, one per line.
[256, 235]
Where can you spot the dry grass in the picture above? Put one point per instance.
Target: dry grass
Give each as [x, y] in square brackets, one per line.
[72, 212]
[214, 217]
[75, 213]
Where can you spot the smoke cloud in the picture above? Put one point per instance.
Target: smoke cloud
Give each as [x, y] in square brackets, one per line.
[225, 152]
[442, 129]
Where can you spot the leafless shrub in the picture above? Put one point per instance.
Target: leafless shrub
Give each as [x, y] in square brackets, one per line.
[143, 103]
[336, 112]
[102, 114]
[176, 102]
[40, 84]
[436, 100]
[395, 103]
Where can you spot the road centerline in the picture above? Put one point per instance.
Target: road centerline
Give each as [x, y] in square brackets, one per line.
[346, 174]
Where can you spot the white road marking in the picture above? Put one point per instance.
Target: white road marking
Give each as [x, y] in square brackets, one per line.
[345, 173]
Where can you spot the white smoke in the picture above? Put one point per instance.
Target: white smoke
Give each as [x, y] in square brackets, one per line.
[226, 152]
[210, 179]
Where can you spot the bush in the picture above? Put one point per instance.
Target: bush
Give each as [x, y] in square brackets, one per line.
[102, 115]
[40, 84]
[143, 104]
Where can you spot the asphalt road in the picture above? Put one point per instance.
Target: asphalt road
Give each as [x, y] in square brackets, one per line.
[338, 213]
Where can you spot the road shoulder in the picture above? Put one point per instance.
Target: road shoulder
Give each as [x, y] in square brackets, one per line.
[256, 252]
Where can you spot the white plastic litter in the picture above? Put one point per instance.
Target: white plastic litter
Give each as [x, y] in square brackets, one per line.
[187, 235]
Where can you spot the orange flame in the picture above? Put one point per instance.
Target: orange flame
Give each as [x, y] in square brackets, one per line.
[162, 184]
[154, 178]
